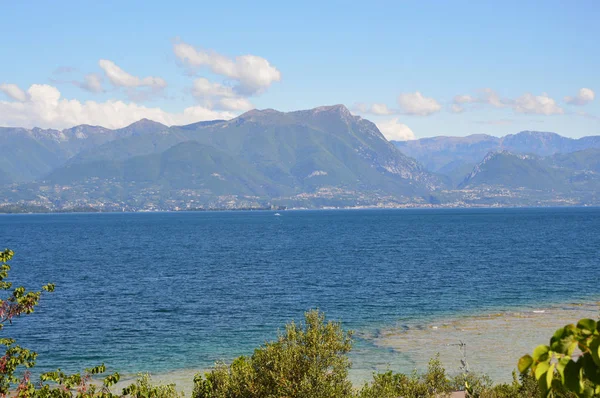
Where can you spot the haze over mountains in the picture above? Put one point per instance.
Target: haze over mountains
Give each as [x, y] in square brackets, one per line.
[312, 158]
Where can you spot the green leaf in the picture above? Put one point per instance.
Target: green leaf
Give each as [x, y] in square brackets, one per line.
[541, 369]
[549, 376]
[587, 326]
[570, 330]
[560, 366]
[540, 354]
[565, 346]
[525, 363]
[558, 335]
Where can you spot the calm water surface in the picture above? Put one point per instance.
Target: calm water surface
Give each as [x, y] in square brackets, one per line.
[168, 291]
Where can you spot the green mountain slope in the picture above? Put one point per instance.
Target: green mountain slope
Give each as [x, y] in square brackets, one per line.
[33, 153]
[567, 173]
[508, 170]
[24, 158]
[271, 153]
[188, 165]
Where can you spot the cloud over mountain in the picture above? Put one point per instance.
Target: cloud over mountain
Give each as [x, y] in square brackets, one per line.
[395, 131]
[373, 109]
[219, 96]
[252, 73]
[537, 104]
[43, 106]
[484, 96]
[417, 104]
[527, 103]
[118, 77]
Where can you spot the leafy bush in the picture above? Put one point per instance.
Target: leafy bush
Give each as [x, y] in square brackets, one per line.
[570, 363]
[19, 302]
[434, 383]
[307, 360]
[481, 387]
[143, 388]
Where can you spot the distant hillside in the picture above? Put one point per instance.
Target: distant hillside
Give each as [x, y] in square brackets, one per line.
[288, 147]
[188, 165]
[567, 173]
[509, 170]
[33, 153]
[455, 157]
[321, 157]
[321, 154]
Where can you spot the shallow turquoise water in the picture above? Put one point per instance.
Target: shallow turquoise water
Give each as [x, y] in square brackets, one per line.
[167, 291]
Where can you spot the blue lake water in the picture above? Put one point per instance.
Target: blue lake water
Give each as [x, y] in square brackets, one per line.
[167, 291]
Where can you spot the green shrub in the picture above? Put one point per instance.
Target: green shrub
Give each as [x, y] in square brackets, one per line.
[143, 388]
[307, 360]
[433, 383]
[570, 363]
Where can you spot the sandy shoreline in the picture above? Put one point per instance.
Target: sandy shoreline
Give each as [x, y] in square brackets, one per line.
[494, 343]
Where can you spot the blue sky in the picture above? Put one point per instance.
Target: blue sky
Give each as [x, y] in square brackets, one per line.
[417, 69]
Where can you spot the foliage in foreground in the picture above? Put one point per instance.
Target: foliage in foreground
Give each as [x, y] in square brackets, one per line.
[433, 383]
[571, 362]
[310, 361]
[307, 360]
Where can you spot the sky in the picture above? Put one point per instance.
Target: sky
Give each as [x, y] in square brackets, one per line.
[415, 68]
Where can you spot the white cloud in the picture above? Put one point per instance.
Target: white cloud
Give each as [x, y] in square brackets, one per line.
[45, 108]
[92, 83]
[380, 109]
[526, 103]
[485, 96]
[254, 74]
[13, 91]
[537, 104]
[583, 97]
[218, 96]
[489, 96]
[374, 109]
[204, 88]
[120, 78]
[416, 104]
[392, 130]
[234, 104]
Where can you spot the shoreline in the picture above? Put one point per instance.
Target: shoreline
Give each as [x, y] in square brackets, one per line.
[495, 340]
[295, 209]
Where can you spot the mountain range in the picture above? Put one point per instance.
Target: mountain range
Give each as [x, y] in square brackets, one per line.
[455, 157]
[311, 158]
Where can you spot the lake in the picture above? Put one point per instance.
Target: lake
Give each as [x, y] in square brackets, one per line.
[168, 292]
